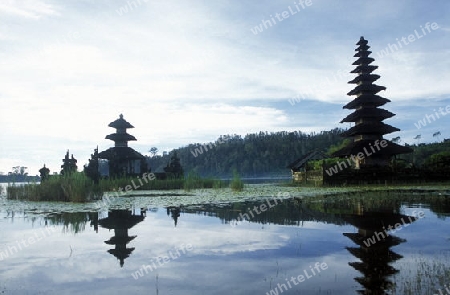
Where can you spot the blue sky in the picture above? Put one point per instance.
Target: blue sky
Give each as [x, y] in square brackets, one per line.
[188, 71]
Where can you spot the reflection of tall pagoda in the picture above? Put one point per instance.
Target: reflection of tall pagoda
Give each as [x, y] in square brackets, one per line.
[123, 160]
[368, 117]
[375, 258]
[120, 221]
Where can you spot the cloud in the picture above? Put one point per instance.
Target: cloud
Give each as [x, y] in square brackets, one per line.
[29, 9]
[189, 71]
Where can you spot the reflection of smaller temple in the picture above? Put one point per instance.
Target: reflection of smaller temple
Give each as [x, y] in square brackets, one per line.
[121, 221]
[374, 243]
[93, 217]
[175, 212]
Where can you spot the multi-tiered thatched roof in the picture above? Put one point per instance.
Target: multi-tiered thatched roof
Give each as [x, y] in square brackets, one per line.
[367, 116]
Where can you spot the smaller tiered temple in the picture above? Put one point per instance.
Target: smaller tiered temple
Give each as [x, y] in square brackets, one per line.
[123, 160]
[69, 164]
[369, 127]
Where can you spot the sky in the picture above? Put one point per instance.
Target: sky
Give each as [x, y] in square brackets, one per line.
[189, 71]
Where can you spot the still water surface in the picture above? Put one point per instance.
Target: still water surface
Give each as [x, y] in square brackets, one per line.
[295, 246]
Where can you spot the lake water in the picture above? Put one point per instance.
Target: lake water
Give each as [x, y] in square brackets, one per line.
[171, 245]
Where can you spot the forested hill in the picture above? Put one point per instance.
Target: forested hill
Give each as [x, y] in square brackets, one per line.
[255, 155]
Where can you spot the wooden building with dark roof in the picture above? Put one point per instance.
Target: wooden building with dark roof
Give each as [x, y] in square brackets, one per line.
[299, 168]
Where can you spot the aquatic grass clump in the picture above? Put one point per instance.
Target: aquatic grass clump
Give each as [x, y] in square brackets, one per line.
[112, 184]
[192, 181]
[217, 184]
[236, 183]
[77, 187]
[21, 192]
[74, 187]
[425, 275]
[163, 184]
[134, 183]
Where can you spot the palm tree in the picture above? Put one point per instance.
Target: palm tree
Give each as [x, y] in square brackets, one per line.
[153, 151]
[437, 134]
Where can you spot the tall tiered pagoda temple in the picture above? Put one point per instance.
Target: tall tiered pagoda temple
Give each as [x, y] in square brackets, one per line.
[123, 160]
[369, 127]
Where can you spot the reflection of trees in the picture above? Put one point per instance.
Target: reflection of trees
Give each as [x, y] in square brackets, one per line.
[327, 209]
[73, 222]
[286, 212]
[121, 221]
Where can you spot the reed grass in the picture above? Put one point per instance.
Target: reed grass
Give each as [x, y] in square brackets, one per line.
[75, 187]
[236, 183]
[424, 275]
[194, 181]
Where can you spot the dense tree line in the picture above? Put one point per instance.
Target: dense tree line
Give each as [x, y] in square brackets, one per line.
[263, 154]
[255, 155]
[268, 154]
[425, 154]
[18, 174]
